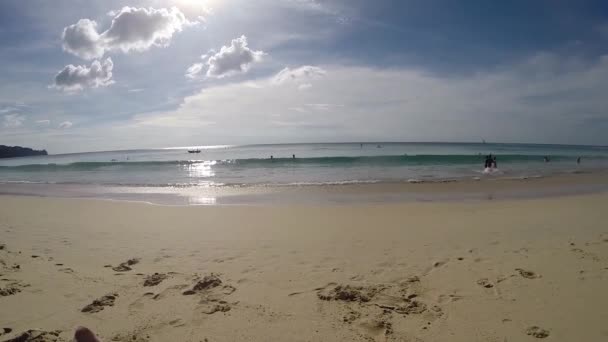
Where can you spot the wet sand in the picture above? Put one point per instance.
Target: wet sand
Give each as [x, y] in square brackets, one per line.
[510, 270]
[485, 188]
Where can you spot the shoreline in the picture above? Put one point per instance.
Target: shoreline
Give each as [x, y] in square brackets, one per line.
[351, 193]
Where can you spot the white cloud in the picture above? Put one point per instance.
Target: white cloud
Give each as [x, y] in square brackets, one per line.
[233, 59]
[74, 78]
[304, 86]
[356, 103]
[82, 40]
[65, 125]
[13, 120]
[43, 122]
[132, 29]
[302, 74]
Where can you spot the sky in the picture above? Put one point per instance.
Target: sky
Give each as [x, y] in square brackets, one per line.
[92, 75]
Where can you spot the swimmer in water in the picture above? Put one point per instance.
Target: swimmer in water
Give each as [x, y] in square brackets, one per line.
[488, 163]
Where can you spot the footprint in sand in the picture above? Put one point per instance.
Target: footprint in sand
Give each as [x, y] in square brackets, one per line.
[351, 316]
[585, 255]
[131, 337]
[380, 327]
[213, 290]
[176, 323]
[34, 335]
[449, 298]
[348, 293]
[126, 266]
[537, 332]
[527, 274]
[5, 331]
[100, 303]
[155, 279]
[485, 282]
[439, 263]
[212, 307]
[207, 283]
[11, 289]
[392, 300]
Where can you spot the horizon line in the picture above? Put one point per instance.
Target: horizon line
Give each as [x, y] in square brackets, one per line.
[220, 146]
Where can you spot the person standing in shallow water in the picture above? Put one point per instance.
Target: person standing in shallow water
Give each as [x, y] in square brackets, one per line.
[488, 162]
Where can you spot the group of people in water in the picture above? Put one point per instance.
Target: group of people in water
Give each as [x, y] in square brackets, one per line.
[490, 162]
[293, 156]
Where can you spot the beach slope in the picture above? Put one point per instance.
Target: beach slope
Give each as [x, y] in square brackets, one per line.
[513, 270]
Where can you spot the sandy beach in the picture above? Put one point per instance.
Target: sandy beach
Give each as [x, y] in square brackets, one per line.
[510, 270]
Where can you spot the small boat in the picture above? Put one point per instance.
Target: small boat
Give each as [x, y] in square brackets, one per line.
[194, 151]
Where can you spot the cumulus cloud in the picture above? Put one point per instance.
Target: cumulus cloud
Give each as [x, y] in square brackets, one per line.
[81, 39]
[65, 125]
[233, 59]
[74, 78]
[302, 74]
[132, 29]
[13, 120]
[43, 122]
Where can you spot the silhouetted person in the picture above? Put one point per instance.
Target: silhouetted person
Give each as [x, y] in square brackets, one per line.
[494, 164]
[547, 159]
[271, 158]
[578, 160]
[293, 156]
[488, 163]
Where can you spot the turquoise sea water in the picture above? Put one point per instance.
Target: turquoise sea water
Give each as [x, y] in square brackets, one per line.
[342, 163]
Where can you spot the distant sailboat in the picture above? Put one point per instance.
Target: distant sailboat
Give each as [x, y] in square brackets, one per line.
[194, 151]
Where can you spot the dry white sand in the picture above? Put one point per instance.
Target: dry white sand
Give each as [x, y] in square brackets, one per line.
[475, 271]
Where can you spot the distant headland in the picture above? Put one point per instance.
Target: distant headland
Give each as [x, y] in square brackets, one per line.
[18, 151]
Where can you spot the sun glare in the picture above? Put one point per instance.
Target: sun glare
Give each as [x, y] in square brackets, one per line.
[198, 7]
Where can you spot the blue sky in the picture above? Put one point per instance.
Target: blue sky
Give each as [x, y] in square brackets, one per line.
[107, 74]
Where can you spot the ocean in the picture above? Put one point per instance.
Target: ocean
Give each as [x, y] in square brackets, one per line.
[313, 164]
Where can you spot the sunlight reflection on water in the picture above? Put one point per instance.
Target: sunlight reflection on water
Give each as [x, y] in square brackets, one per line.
[200, 170]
